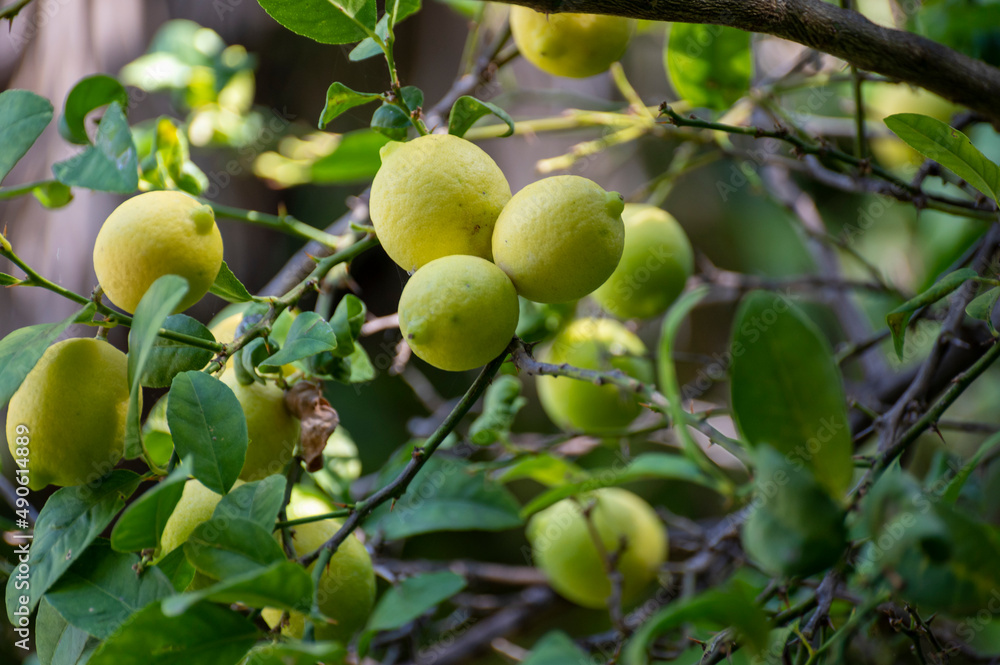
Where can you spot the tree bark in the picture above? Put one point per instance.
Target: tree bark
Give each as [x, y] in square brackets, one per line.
[825, 27]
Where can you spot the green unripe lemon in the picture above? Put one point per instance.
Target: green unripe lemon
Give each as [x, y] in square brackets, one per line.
[155, 234]
[574, 45]
[434, 196]
[346, 592]
[67, 419]
[272, 430]
[559, 238]
[655, 265]
[563, 546]
[597, 344]
[458, 312]
[196, 505]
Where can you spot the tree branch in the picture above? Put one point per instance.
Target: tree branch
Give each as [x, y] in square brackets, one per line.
[825, 27]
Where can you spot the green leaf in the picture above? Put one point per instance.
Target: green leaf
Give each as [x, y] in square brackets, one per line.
[956, 484]
[899, 318]
[649, 466]
[204, 635]
[500, 407]
[982, 306]
[207, 423]
[111, 164]
[467, 110]
[88, 94]
[23, 117]
[732, 607]
[412, 598]
[228, 287]
[948, 147]
[53, 194]
[223, 548]
[285, 585]
[156, 305]
[21, 350]
[404, 9]
[177, 568]
[309, 335]
[296, 653]
[556, 648]
[346, 323]
[56, 641]
[8, 280]
[325, 21]
[796, 529]
[355, 160]
[101, 590]
[710, 66]
[340, 98]
[786, 388]
[368, 48]
[447, 496]
[390, 121]
[142, 523]
[69, 521]
[258, 502]
[543, 468]
[168, 358]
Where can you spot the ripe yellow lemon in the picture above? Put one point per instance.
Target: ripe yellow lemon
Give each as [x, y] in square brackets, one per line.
[655, 265]
[273, 431]
[67, 420]
[559, 238]
[346, 592]
[196, 505]
[155, 234]
[574, 45]
[564, 548]
[598, 344]
[434, 196]
[458, 312]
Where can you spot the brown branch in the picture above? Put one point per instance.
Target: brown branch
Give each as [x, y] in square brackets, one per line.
[825, 27]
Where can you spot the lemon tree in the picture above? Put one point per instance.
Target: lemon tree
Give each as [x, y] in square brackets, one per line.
[573, 45]
[156, 234]
[559, 238]
[434, 196]
[458, 312]
[73, 404]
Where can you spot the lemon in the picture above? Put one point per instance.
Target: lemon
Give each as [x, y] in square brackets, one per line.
[597, 344]
[273, 431]
[458, 312]
[73, 404]
[346, 590]
[197, 504]
[563, 546]
[574, 45]
[656, 263]
[156, 234]
[434, 196]
[559, 238]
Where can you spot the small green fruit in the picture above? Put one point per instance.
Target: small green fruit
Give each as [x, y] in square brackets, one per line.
[573, 45]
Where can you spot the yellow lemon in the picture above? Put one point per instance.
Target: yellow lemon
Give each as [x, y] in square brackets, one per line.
[156, 234]
[197, 504]
[597, 344]
[273, 431]
[655, 265]
[564, 548]
[574, 45]
[67, 419]
[434, 196]
[458, 312]
[346, 592]
[559, 238]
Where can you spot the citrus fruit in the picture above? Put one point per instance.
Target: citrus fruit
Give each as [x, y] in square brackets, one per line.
[574, 45]
[564, 548]
[73, 404]
[559, 238]
[458, 312]
[272, 430]
[434, 196]
[155, 234]
[656, 263]
[197, 504]
[597, 344]
[346, 590]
